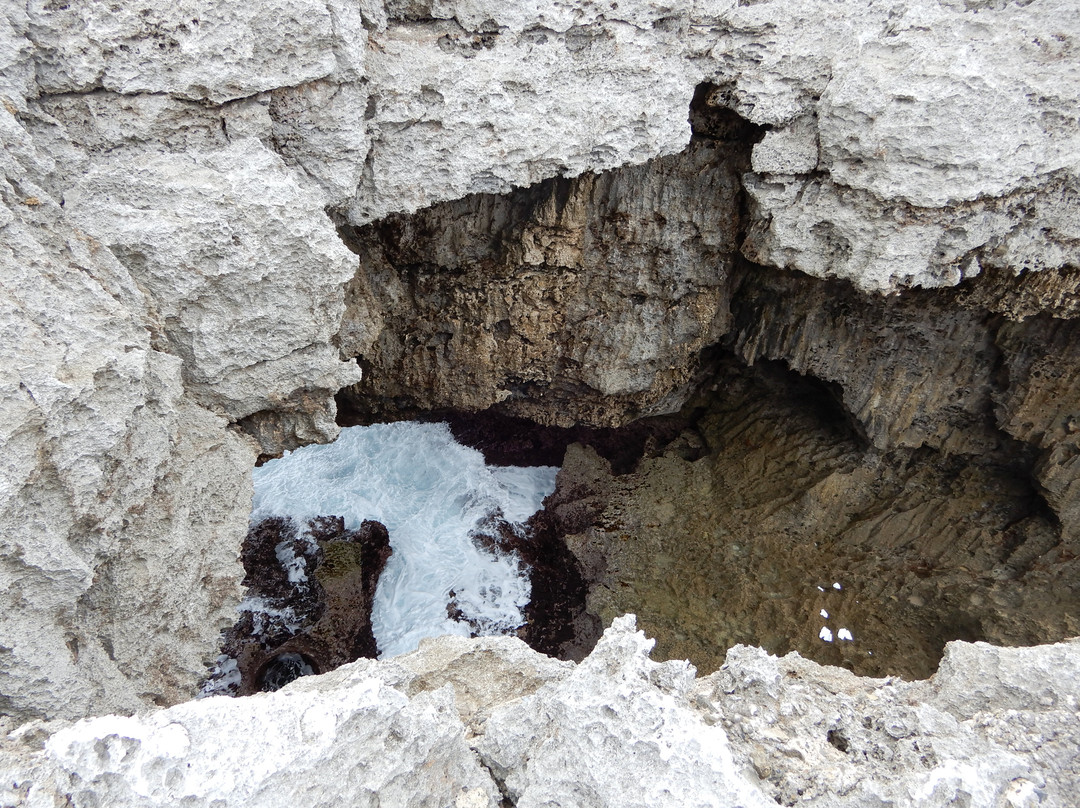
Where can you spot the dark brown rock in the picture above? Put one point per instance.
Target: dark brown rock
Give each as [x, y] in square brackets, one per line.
[575, 301]
[319, 620]
[744, 544]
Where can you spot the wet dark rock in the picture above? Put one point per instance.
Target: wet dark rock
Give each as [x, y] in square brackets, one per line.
[556, 622]
[321, 617]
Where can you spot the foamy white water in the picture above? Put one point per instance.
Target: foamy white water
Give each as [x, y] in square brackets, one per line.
[431, 493]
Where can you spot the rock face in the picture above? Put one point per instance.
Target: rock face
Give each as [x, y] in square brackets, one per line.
[108, 469]
[739, 530]
[597, 293]
[172, 281]
[487, 722]
[160, 280]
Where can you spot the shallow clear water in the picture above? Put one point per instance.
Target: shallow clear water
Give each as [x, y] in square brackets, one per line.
[431, 493]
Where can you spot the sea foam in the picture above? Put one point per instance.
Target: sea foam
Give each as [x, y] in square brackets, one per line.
[431, 493]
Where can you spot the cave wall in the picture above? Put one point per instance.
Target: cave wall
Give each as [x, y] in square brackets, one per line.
[173, 280]
[574, 301]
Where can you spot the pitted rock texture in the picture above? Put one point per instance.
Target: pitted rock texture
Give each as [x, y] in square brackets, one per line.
[771, 521]
[109, 472]
[393, 107]
[222, 244]
[472, 723]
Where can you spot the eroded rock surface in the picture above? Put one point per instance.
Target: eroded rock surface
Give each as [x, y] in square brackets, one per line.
[772, 520]
[172, 279]
[473, 723]
[575, 301]
[108, 469]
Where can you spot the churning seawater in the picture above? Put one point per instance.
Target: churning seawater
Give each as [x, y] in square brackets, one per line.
[432, 493]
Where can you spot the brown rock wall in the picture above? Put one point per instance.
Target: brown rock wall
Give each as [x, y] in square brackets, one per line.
[575, 301]
[744, 545]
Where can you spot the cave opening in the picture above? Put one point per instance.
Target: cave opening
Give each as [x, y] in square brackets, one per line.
[748, 454]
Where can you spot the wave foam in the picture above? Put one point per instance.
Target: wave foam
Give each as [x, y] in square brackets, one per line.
[431, 493]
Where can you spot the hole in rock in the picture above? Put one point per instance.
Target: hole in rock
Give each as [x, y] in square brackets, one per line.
[857, 478]
[364, 546]
[282, 669]
[837, 739]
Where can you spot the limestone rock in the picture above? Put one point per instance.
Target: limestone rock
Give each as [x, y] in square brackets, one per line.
[107, 470]
[902, 201]
[911, 370]
[191, 49]
[228, 243]
[744, 541]
[486, 673]
[790, 150]
[167, 170]
[821, 736]
[458, 110]
[390, 109]
[616, 729]
[362, 743]
[955, 65]
[598, 292]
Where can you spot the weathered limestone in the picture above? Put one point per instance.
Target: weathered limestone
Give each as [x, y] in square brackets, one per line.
[171, 277]
[229, 244]
[468, 723]
[615, 731]
[109, 476]
[823, 736]
[189, 49]
[124, 491]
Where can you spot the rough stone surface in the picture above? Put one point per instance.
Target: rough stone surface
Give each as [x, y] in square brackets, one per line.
[171, 279]
[309, 588]
[597, 293]
[143, 310]
[917, 111]
[362, 743]
[227, 243]
[107, 470]
[817, 735]
[190, 49]
[739, 529]
[615, 731]
[471, 723]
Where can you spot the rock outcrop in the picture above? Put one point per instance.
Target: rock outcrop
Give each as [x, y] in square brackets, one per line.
[177, 179]
[111, 475]
[471, 723]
